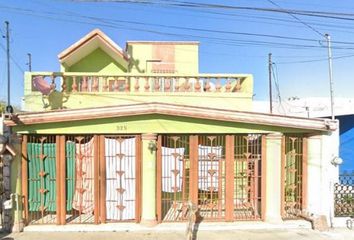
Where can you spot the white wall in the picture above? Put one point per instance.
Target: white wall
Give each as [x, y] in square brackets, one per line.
[322, 174]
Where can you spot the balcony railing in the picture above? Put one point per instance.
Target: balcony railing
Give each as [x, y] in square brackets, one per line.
[75, 82]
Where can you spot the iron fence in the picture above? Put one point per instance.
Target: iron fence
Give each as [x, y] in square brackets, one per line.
[344, 195]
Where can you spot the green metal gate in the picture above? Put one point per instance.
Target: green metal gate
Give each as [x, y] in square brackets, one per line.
[41, 156]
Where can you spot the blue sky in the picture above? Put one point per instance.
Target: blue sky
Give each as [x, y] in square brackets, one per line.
[44, 28]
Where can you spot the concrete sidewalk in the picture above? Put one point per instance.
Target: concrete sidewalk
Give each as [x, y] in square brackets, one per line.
[271, 234]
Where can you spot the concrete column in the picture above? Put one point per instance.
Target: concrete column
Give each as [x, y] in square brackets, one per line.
[273, 178]
[16, 187]
[148, 215]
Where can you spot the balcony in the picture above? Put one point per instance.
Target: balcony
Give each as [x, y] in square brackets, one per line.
[55, 90]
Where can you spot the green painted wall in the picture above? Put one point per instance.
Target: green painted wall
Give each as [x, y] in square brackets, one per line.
[98, 61]
[154, 123]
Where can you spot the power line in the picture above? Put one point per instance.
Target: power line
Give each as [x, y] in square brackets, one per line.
[252, 16]
[316, 60]
[194, 5]
[298, 19]
[225, 41]
[107, 20]
[276, 83]
[13, 59]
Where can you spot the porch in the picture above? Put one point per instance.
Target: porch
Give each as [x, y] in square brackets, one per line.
[92, 179]
[235, 166]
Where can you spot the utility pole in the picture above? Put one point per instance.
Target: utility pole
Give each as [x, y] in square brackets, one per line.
[29, 62]
[328, 38]
[270, 82]
[8, 107]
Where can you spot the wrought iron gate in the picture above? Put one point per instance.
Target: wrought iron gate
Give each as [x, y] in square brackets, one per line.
[173, 177]
[294, 167]
[211, 176]
[81, 178]
[222, 174]
[41, 186]
[248, 177]
[120, 175]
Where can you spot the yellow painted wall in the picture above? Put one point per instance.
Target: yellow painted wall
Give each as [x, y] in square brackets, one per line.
[232, 101]
[186, 58]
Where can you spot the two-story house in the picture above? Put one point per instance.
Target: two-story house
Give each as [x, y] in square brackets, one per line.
[134, 134]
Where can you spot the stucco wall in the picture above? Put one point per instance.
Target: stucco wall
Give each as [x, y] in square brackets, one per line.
[97, 61]
[322, 174]
[149, 123]
[186, 57]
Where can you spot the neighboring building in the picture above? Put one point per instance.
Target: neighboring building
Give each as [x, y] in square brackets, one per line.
[346, 147]
[320, 107]
[133, 135]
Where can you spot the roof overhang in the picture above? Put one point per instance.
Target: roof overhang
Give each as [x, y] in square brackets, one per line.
[93, 40]
[315, 124]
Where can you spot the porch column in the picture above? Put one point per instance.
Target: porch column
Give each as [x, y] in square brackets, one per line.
[16, 189]
[273, 177]
[148, 215]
